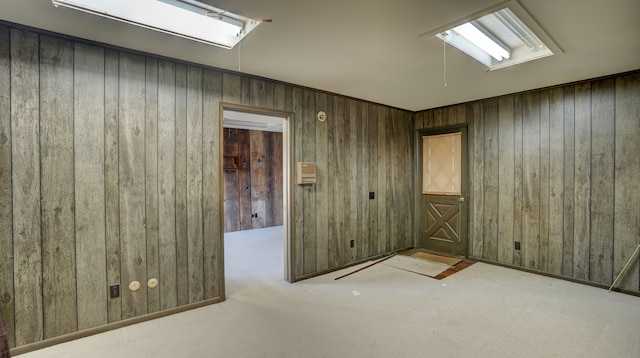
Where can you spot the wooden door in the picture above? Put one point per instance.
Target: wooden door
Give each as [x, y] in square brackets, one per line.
[443, 210]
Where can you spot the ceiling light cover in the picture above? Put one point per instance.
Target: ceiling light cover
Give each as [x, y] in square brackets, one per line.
[188, 19]
[500, 38]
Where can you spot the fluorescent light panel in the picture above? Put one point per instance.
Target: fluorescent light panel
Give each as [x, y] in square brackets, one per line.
[498, 39]
[188, 19]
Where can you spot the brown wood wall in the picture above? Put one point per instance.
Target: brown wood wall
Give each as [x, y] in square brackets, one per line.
[557, 170]
[253, 174]
[110, 172]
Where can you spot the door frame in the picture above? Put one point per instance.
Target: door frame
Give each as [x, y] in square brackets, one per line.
[287, 182]
[465, 179]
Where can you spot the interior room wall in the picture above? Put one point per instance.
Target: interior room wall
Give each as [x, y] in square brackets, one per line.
[253, 179]
[556, 170]
[110, 173]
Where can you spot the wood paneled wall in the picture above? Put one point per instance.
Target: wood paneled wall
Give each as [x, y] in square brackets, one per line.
[110, 172]
[556, 170]
[253, 179]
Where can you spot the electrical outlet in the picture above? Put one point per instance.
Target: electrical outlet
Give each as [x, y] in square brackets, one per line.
[516, 245]
[114, 291]
[352, 243]
[372, 195]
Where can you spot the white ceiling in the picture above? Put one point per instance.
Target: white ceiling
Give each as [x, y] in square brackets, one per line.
[370, 49]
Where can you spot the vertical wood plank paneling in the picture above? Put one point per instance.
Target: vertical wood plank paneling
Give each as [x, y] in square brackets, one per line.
[231, 88]
[374, 162]
[57, 192]
[278, 175]
[491, 167]
[167, 184]
[477, 182]
[244, 179]
[194, 184]
[582, 193]
[182, 263]
[543, 251]
[7, 303]
[381, 195]
[151, 181]
[556, 176]
[569, 175]
[268, 181]
[297, 103]
[257, 92]
[25, 132]
[258, 178]
[340, 192]
[602, 181]
[211, 195]
[308, 135]
[363, 204]
[90, 185]
[132, 182]
[627, 186]
[111, 181]
[505, 171]
[418, 121]
[353, 218]
[323, 198]
[531, 180]
[518, 174]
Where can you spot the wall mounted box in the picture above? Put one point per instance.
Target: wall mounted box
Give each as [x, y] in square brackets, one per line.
[306, 173]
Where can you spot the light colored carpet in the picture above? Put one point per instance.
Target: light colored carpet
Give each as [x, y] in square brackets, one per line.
[483, 311]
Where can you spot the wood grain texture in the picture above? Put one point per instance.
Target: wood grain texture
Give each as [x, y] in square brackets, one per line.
[111, 179]
[491, 166]
[195, 239]
[602, 182]
[244, 180]
[505, 172]
[582, 189]
[543, 247]
[167, 184]
[323, 198]
[182, 259]
[308, 195]
[374, 161]
[297, 102]
[57, 188]
[7, 303]
[556, 180]
[531, 180]
[627, 186]
[363, 207]
[518, 174]
[477, 182]
[569, 184]
[258, 179]
[151, 181]
[25, 132]
[211, 193]
[353, 217]
[382, 190]
[132, 182]
[90, 185]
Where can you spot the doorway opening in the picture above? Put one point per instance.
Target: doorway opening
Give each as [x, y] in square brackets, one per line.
[255, 195]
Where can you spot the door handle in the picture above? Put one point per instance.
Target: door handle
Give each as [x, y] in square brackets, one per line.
[461, 199]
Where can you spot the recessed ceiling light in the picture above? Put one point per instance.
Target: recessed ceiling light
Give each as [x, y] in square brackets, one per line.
[184, 18]
[502, 36]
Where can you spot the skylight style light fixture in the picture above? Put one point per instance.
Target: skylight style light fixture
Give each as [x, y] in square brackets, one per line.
[501, 36]
[184, 18]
